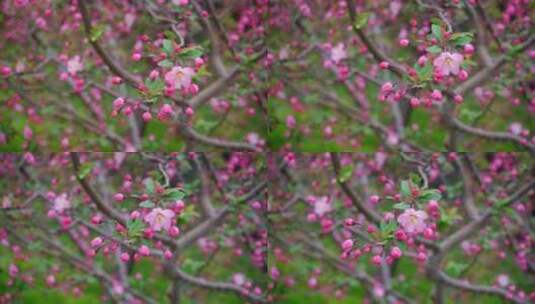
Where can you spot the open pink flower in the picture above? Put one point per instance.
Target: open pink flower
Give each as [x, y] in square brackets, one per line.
[322, 206]
[159, 218]
[179, 77]
[61, 203]
[338, 53]
[413, 221]
[74, 65]
[448, 63]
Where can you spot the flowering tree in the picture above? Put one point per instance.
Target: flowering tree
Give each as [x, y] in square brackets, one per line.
[253, 74]
[403, 228]
[275, 228]
[139, 228]
[227, 94]
[359, 75]
[132, 75]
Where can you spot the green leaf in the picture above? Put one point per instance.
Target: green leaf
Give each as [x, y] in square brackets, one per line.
[188, 214]
[345, 173]
[362, 20]
[175, 194]
[167, 46]
[166, 63]
[405, 188]
[149, 185]
[147, 204]
[434, 49]
[455, 269]
[155, 87]
[437, 31]
[135, 228]
[424, 73]
[191, 266]
[402, 206]
[96, 32]
[387, 229]
[428, 195]
[415, 179]
[191, 53]
[461, 39]
[205, 126]
[85, 169]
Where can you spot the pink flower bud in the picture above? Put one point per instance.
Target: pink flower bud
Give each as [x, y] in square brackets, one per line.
[174, 231]
[136, 57]
[189, 111]
[348, 222]
[28, 133]
[154, 74]
[384, 65]
[50, 280]
[125, 257]
[96, 242]
[422, 60]
[118, 197]
[377, 259]
[400, 235]
[116, 80]
[118, 103]
[404, 42]
[436, 95]
[96, 219]
[468, 49]
[387, 87]
[415, 102]
[6, 71]
[395, 252]
[144, 250]
[147, 116]
[374, 199]
[463, 75]
[13, 270]
[347, 244]
[421, 257]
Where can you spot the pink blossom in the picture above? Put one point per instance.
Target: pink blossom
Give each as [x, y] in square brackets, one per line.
[347, 244]
[502, 280]
[160, 218]
[396, 253]
[96, 242]
[144, 250]
[61, 203]
[165, 112]
[238, 279]
[74, 65]
[338, 53]
[50, 280]
[448, 63]
[404, 42]
[147, 116]
[13, 270]
[28, 133]
[377, 259]
[118, 197]
[179, 77]
[515, 128]
[413, 221]
[125, 257]
[322, 206]
[374, 199]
